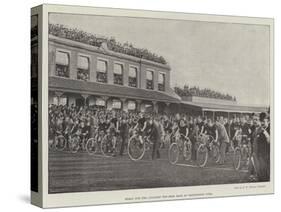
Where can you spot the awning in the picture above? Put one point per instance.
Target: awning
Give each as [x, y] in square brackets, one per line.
[225, 108]
[94, 88]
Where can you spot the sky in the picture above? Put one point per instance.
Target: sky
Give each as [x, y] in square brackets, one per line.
[230, 58]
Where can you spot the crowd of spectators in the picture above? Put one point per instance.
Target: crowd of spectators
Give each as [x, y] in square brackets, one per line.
[94, 40]
[202, 92]
[83, 75]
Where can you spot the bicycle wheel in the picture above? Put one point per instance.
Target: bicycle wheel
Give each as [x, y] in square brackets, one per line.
[173, 153]
[91, 146]
[75, 144]
[202, 155]
[106, 146]
[187, 150]
[60, 143]
[136, 149]
[216, 153]
[237, 158]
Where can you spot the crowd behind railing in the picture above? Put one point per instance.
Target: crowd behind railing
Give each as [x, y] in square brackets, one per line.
[95, 40]
[202, 92]
[83, 75]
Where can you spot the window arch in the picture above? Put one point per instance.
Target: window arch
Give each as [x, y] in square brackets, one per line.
[62, 63]
[149, 79]
[118, 74]
[102, 71]
[161, 82]
[133, 79]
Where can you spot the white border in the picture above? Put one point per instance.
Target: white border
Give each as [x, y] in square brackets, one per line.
[161, 194]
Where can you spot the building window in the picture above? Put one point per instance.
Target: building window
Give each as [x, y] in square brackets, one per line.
[161, 82]
[149, 80]
[131, 105]
[100, 102]
[83, 65]
[62, 64]
[102, 71]
[116, 104]
[133, 77]
[118, 74]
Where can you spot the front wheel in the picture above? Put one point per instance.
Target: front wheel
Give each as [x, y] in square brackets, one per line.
[106, 146]
[173, 153]
[92, 146]
[237, 158]
[136, 148]
[202, 155]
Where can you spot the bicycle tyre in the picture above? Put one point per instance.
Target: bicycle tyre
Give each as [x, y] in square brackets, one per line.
[91, 146]
[237, 158]
[134, 144]
[173, 153]
[202, 150]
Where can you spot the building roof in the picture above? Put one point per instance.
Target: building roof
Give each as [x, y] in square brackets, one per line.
[226, 108]
[62, 31]
[94, 88]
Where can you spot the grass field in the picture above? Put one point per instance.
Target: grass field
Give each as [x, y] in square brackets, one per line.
[81, 172]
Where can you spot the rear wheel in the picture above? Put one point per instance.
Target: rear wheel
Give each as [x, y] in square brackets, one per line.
[136, 149]
[60, 143]
[202, 155]
[92, 146]
[106, 146]
[173, 153]
[187, 153]
[237, 158]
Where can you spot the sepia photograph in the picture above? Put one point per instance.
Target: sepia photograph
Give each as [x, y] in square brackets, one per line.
[139, 103]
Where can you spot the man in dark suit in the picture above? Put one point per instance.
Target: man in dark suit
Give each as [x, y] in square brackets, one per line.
[124, 133]
[260, 161]
[155, 136]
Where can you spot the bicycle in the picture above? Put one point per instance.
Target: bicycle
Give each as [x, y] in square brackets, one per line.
[58, 142]
[242, 153]
[92, 144]
[207, 148]
[76, 143]
[137, 148]
[180, 143]
[109, 147]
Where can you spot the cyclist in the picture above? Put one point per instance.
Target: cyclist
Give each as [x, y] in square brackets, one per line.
[102, 128]
[222, 138]
[141, 127]
[113, 130]
[85, 132]
[182, 130]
